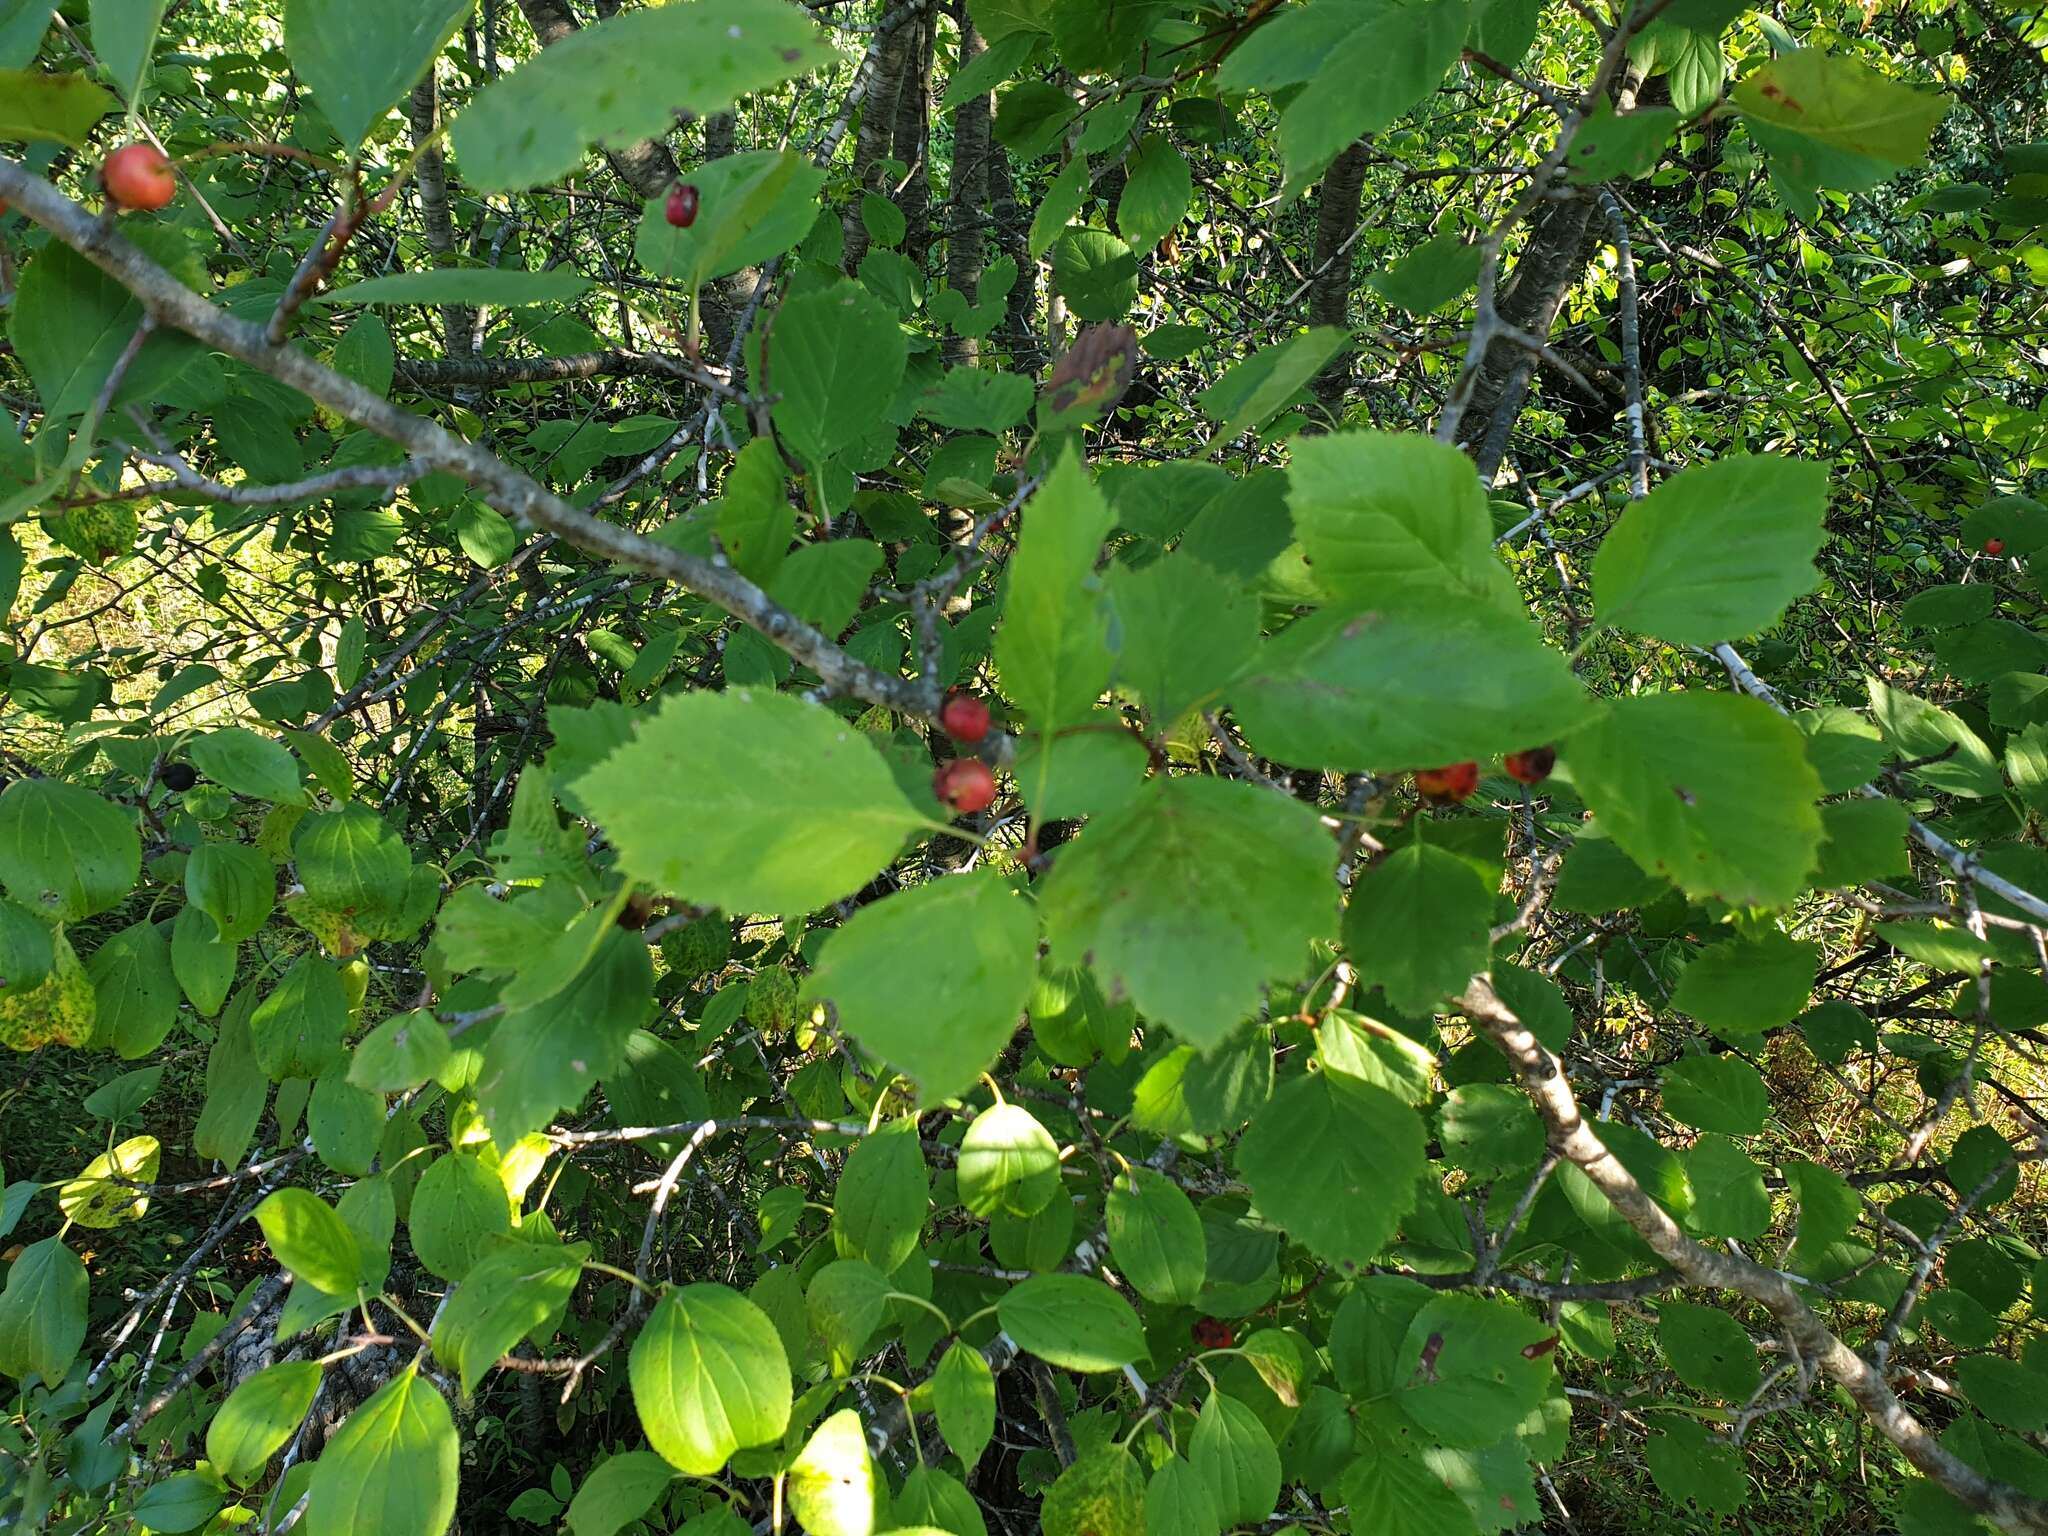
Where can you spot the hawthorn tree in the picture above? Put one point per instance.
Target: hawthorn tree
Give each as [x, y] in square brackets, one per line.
[931, 765]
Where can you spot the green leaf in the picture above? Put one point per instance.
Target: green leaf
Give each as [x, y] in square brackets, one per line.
[1746, 986]
[847, 1301]
[1096, 273]
[499, 287]
[772, 804]
[235, 1087]
[1383, 691]
[1073, 1322]
[1391, 57]
[1710, 790]
[1490, 1130]
[1715, 552]
[1057, 208]
[709, 1377]
[625, 79]
[1052, 646]
[1716, 1093]
[1391, 1488]
[1333, 1160]
[832, 1482]
[1691, 1463]
[183, 1502]
[1156, 1237]
[136, 993]
[964, 1398]
[1444, 267]
[1729, 1199]
[399, 1054]
[28, 953]
[311, 1241]
[1184, 634]
[1233, 1453]
[879, 1207]
[544, 1056]
[458, 1207]
[1598, 877]
[391, 1468]
[1471, 1369]
[1842, 104]
[42, 1312]
[65, 854]
[1191, 898]
[977, 400]
[1180, 1502]
[1863, 840]
[120, 1099]
[619, 1490]
[233, 884]
[248, 764]
[752, 208]
[1418, 925]
[1259, 387]
[1915, 729]
[1621, 146]
[41, 108]
[297, 1030]
[1008, 1163]
[507, 1294]
[1708, 1350]
[72, 322]
[360, 56]
[1829, 1207]
[123, 34]
[836, 356]
[980, 946]
[1157, 190]
[258, 1417]
[345, 1122]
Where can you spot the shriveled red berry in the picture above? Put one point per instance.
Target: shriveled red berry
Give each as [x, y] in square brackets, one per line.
[682, 205]
[1994, 546]
[964, 717]
[1454, 781]
[138, 176]
[1214, 1333]
[1532, 766]
[965, 784]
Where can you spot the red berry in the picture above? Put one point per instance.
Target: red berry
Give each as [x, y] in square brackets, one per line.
[1994, 546]
[1213, 1333]
[682, 205]
[138, 176]
[1532, 766]
[1454, 781]
[965, 784]
[964, 717]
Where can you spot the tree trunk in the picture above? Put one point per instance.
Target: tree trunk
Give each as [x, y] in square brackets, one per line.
[1550, 265]
[912, 142]
[1329, 291]
[967, 195]
[877, 132]
[458, 321]
[1012, 229]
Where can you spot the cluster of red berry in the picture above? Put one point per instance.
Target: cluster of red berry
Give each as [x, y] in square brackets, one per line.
[1457, 781]
[965, 783]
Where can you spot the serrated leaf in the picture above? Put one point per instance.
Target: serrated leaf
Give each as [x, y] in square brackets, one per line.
[772, 804]
[1052, 647]
[625, 79]
[1383, 691]
[1191, 897]
[1344, 1202]
[1712, 791]
[1714, 553]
